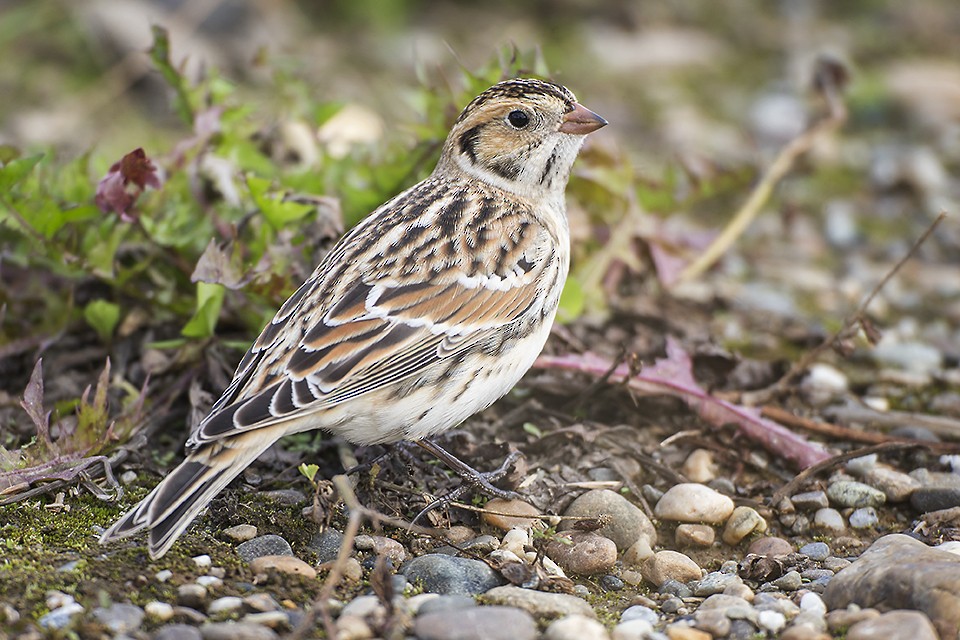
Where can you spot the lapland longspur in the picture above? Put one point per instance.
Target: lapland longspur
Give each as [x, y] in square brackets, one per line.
[427, 311]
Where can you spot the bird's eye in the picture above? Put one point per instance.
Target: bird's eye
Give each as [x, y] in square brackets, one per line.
[518, 119]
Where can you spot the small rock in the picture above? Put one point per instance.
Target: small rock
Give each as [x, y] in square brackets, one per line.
[210, 582]
[813, 603]
[352, 570]
[444, 603]
[241, 532]
[226, 604]
[164, 575]
[894, 625]
[669, 565]
[772, 622]
[268, 545]
[675, 588]
[818, 551]
[365, 607]
[287, 497]
[740, 590]
[694, 535]
[810, 500]
[450, 575]
[631, 577]
[188, 615]
[864, 518]
[539, 603]
[628, 523]
[895, 485]
[638, 553]
[638, 612]
[835, 564]
[177, 632]
[713, 621]
[671, 605]
[60, 617]
[479, 623]
[803, 632]
[829, 520]
[691, 502]
[326, 544]
[685, 632]
[283, 564]
[482, 545]
[790, 581]
[843, 619]
[699, 466]
[515, 541]
[935, 498]
[119, 618]
[159, 611]
[715, 582]
[742, 522]
[353, 628]
[260, 602]
[632, 630]
[770, 546]
[272, 619]
[236, 631]
[611, 583]
[725, 603]
[849, 493]
[387, 547]
[576, 627]
[520, 514]
[203, 562]
[192, 595]
[583, 552]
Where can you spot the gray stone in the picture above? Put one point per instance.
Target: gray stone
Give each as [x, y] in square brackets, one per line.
[236, 631]
[818, 551]
[326, 544]
[268, 545]
[539, 603]
[60, 617]
[478, 623]
[790, 581]
[848, 493]
[628, 523]
[715, 582]
[935, 498]
[638, 612]
[449, 575]
[898, 572]
[192, 595]
[810, 501]
[864, 518]
[446, 603]
[633, 630]
[119, 618]
[896, 485]
[582, 552]
[894, 625]
[226, 604]
[177, 632]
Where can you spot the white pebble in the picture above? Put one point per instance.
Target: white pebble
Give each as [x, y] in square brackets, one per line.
[202, 561]
[772, 621]
[164, 575]
[515, 540]
[859, 466]
[127, 477]
[226, 604]
[160, 611]
[635, 629]
[209, 581]
[813, 603]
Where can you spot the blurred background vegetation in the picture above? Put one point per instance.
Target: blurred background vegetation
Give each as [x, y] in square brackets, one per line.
[273, 125]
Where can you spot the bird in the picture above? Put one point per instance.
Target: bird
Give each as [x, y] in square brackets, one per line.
[427, 311]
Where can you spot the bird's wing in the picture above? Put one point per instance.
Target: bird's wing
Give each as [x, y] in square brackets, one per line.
[379, 310]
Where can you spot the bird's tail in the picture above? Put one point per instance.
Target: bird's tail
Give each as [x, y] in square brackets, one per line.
[179, 497]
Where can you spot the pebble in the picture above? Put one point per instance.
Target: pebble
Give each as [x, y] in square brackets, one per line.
[260, 602]
[226, 604]
[894, 625]
[480, 544]
[850, 493]
[288, 497]
[818, 551]
[713, 621]
[772, 622]
[353, 628]
[770, 546]
[188, 615]
[576, 627]
[120, 618]
[691, 502]
[829, 520]
[790, 581]
[803, 632]
[742, 522]
[694, 535]
[236, 631]
[864, 518]
[283, 564]
[685, 632]
[177, 632]
[163, 576]
[272, 619]
[382, 546]
[203, 562]
[611, 583]
[192, 595]
[365, 607]
[480, 623]
[843, 619]
[210, 582]
[638, 612]
[632, 630]
[638, 553]
[520, 514]
[835, 564]
[326, 544]
[443, 574]
[444, 603]
[583, 552]
[676, 588]
[159, 611]
[813, 603]
[631, 577]
[268, 545]
[699, 466]
[628, 523]
[241, 532]
[935, 498]
[810, 500]
[669, 565]
[516, 541]
[352, 570]
[539, 603]
[715, 582]
[60, 617]
[895, 485]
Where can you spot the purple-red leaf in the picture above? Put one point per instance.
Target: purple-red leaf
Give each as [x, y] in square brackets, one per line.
[118, 191]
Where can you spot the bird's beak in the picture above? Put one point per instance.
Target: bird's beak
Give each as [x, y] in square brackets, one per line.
[581, 121]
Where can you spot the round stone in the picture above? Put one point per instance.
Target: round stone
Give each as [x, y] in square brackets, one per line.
[438, 573]
[518, 514]
[226, 604]
[694, 535]
[790, 581]
[638, 552]
[829, 520]
[515, 541]
[627, 522]
[268, 545]
[810, 500]
[914, 625]
[715, 582]
[192, 595]
[583, 552]
[445, 603]
[177, 632]
[691, 502]
[686, 632]
[539, 603]
[241, 532]
[611, 583]
[699, 466]
[283, 564]
[326, 544]
[848, 493]
[669, 565]
[818, 551]
[119, 618]
[895, 485]
[770, 546]
[632, 630]
[576, 627]
[743, 521]
[638, 612]
[159, 611]
[864, 518]
[236, 631]
[479, 623]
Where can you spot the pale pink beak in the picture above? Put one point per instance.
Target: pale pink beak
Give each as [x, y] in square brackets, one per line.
[581, 121]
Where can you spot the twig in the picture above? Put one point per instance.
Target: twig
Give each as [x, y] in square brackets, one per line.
[781, 165]
[849, 328]
[802, 477]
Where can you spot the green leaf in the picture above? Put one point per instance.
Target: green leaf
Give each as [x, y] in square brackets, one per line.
[14, 171]
[204, 320]
[103, 316]
[160, 54]
[572, 301]
[309, 471]
[532, 429]
[277, 212]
